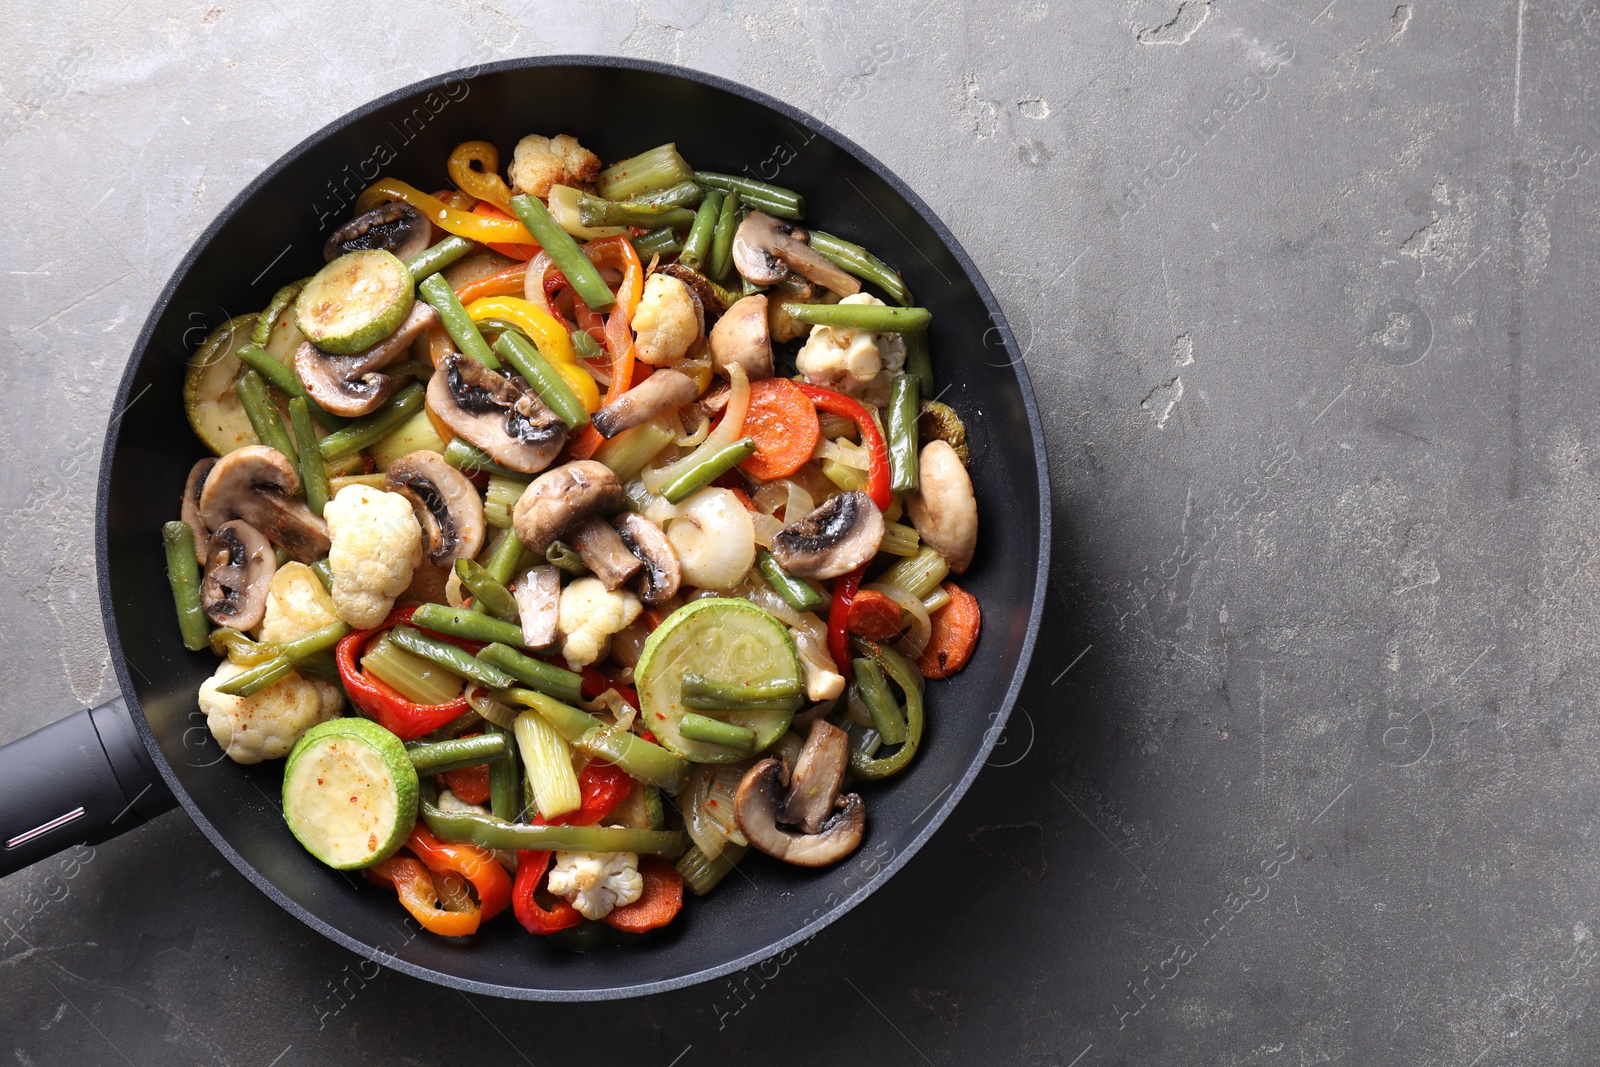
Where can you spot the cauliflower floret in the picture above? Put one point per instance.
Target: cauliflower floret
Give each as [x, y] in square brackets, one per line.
[540, 162]
[852, 361]
[589, 615]
[297, 604]
[596, 882]
[376, 545]
[266, 725]
[664, 321]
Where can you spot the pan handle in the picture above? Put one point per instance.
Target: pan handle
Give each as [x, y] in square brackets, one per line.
[82, 780]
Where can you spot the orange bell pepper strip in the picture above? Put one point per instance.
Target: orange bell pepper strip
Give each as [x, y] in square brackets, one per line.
[618, 253]
[478, 866]
[480, 228]
[482, 181]
[548, 335]
[523, 252]
[504, 283]
[420, 897]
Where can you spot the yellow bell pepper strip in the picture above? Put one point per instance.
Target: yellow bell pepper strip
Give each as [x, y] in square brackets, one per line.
[480, 228]
[548, 335]
[482, 181]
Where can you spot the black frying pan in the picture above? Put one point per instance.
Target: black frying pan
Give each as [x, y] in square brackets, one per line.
[101, 772]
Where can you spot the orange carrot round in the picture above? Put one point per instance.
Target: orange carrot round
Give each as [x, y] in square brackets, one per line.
[874, 616]
[784, 423]
[954, 634]
[657, 905]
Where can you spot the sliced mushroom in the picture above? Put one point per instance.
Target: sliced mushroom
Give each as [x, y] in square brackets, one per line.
[238, 574]
[604, 553]
[833, 539]
[562, 498]
[662, 572]
[818, 773]
[189, 512]
[500, 415]
[447, 505]
[257, 484]
[755, 810]
[538, 594]
[765, 249]
[705, 290]
[741, 336]
[395, 226]
[943, 509]
[662, 390]
[351, 385]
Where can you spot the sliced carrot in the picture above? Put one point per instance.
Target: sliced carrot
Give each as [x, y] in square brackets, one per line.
[522, 252]
[954, 636]
[470, 784]
[657, 905]
[783, 421]
[874, 616]
[508, 282]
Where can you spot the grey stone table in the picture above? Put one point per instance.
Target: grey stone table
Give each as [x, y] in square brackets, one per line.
[1303, 770]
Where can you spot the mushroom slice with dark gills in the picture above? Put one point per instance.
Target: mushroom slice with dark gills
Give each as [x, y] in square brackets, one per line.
[500, 415]
[766, 249]
[396, 227]
[755, 810]
[352, 385]
[239, 569]
[257, 484]
[833, 539]
[190, 509]
[662, 390]
[662, 572]
[446, 503]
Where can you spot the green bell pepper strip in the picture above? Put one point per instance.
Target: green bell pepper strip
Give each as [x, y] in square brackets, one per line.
[486, 831]
[647, 762]
[453, 659]
[441, 756]
[582, 275]
[904, 674]
[437, 257]
[880, 702]
[290, 653]
[183, 572]
[901, 430]
[557, 682]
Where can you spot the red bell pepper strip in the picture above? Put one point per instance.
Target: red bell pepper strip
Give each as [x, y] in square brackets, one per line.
[478, 866]
[405, 719]
[595, 683]
[844, 592]
[530, 913]
[420, 897]
[658, 903]
[601, 787]
[470, 784]
[835, 403]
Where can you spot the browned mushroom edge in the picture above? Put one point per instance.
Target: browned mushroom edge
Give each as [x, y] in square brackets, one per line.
[662, 573]
[352, 385]
[395, 226]
[560, 499]
[818, 774]
[257, 484]
[189, 512]
[603, 552]
[446, 503]
[238, 574]
[755, 810]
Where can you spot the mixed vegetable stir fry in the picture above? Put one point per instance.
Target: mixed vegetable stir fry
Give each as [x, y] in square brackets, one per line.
[572, 535]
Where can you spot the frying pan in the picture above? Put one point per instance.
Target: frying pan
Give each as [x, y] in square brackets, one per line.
[101, 772]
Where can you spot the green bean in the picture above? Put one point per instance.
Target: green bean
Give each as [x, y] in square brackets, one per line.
[529, 362]
[368, 431]
[464, 624]
[560, 554]
[262, 333]
[453, 659]
[313, 477]
[907, 677]
[183, 573]
[463, 456]
[437, 257]
[749, 288]
[594, 211]
[546, 678]
[663, 242]
[901, 430]
[658, 168]
[263, 414]
[282, 377]
[486, 831]
[880, 703]
[918, 361]
[589, 735]
[708, 470]
[687, 193]
[324, 572]
[582, 275]
[457, 323]
[722, 240]
[290, 653]
[452, 755]
[494, 596]
[872, 318]
[784, 203]
[797, 594]
[505, 778]
[706, 694]
[698, 244]
[697, 727]
[853, 259]
[502, 561]
[226, 641]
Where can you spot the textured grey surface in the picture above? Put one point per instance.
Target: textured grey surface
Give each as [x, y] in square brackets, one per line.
[1305, 769]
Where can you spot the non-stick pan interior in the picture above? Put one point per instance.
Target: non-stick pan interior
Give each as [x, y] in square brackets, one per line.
[273, 233]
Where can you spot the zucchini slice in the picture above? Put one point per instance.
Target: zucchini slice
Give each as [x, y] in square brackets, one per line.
[350, 793]
[208, 397]
[724, 640]
[355, 301]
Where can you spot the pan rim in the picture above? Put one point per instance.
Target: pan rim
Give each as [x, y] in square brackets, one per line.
[817, 923]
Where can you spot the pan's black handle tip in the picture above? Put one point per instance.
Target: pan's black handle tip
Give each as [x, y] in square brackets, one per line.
[81, 780]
